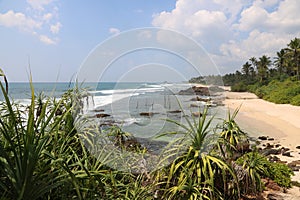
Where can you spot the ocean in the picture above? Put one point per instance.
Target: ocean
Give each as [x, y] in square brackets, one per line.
[128, 104]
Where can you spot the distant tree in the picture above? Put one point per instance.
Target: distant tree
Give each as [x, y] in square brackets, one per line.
[252, 72]
[253, 61]
[280, 61]
[246, 69]
[293, 51]
[262, 67]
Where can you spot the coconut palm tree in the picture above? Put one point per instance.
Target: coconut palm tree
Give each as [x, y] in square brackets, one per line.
[280, 61]
[263, 65]
[293, 51]
[246, 68]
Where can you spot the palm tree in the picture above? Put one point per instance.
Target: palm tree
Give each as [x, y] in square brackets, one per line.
[263, 66]
[252, 72]
[294, 53]
[253, 61]
[280, 61]
[246, 68]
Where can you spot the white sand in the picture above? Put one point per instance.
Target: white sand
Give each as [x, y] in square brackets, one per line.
[278, 121]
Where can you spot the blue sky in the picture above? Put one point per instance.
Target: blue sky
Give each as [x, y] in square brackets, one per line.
[56, 36]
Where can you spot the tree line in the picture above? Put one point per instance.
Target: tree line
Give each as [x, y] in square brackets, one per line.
[262, 70]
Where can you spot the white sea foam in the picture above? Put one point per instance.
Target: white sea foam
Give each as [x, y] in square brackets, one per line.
[118, 94]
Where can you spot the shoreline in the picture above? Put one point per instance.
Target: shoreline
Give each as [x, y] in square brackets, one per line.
[280, 122]
[275, 120]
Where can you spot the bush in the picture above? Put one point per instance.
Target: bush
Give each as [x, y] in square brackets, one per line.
[285, 92]
[296, 100]
[278, 172]
[239, 87]
[281, 174]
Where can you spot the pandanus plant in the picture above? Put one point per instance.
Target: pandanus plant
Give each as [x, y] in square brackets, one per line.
[194, 174]
[5, 80]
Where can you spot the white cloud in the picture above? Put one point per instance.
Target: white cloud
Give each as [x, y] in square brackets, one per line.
[284, 19]
[114, 31]
[208, 26]
[39, 4]
[35, 21]
[45, 39]
[19, 20]
[257, 44]
[234, 30]
[55, 28]
[47, 17]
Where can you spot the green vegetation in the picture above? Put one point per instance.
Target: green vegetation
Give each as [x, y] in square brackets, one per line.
[42, 157]
[258, 166]
[277, 81]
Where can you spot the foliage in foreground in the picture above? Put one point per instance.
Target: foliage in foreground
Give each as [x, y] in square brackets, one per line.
[258, 166]
[42, 157]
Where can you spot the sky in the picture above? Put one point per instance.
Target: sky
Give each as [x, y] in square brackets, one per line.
[53, 39]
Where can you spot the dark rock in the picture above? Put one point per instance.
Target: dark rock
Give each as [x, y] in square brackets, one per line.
[200, 99]
[273, 196]
[298, 147]
[99, 110]
[58, 112]
[243, 146]
[288, 154]
[269, 146]
[102, 115]
[277, 145]
[263, 137]
[274, 159]
[283, 162]
[295, 162]
[132, 144]
[252, 197]
[218, 102]
[196, 114]
[147, 114]
[195, 105]
[174, 111]
[285, 149]
[267, 152]
[195, 91]
[272, 185]
[293, 166]
[271, 139]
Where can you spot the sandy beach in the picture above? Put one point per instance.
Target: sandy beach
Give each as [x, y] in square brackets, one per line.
[262, 118]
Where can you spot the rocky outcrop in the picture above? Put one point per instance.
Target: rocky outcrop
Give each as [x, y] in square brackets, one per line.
[195, 90]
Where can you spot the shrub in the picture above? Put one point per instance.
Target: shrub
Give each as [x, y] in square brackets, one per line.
[296, 100]
[281, 174]
[278, 172]
[239, 87]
